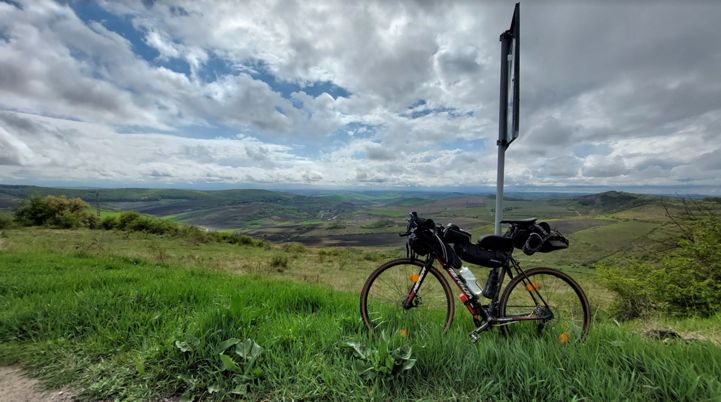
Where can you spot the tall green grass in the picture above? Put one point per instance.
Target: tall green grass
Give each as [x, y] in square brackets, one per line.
[119, 328]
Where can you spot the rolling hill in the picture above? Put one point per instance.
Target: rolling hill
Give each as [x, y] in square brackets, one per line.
[355, 218]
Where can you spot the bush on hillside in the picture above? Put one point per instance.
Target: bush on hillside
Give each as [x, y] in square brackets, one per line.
[686, 281]
[6, 221]
[135, 222]
[61, 212]
[55, 211]
[237, 238]
[109, 222]
[295, 248]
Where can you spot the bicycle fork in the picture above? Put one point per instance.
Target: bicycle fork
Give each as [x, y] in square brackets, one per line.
[413, 293]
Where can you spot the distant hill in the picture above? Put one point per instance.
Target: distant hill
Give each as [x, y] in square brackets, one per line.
[346, 217]
[219, 209]
[613, 201]
[141, 194]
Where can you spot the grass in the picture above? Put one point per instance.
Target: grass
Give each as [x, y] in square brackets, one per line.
[339, 268]
[130, 316]
[344, 269]
[685, 327]
[122, 328]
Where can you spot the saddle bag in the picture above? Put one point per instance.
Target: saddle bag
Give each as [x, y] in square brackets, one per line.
[539, 238]
[554, 241]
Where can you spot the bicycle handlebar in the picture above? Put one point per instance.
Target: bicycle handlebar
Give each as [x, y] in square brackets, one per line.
[416, 222]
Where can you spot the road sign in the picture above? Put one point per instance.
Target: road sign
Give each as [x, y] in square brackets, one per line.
[509, 102]
[510, 79]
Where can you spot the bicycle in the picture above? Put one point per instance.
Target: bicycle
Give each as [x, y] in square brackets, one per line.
[400, 295]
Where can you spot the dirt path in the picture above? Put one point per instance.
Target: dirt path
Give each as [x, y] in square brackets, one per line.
[15, 386]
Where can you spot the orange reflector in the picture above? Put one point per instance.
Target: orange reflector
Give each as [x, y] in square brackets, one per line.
[533, 286]
[414, 278]
[563, 337]
[403, 332]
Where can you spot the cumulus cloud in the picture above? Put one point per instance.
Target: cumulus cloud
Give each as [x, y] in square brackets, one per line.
[399, 93]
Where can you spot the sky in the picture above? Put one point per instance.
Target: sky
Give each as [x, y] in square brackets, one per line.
[386, 94]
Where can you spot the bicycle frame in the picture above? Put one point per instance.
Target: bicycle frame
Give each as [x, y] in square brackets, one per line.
[484, 316]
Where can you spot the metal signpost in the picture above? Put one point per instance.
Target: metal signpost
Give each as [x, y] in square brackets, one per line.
[509, 99]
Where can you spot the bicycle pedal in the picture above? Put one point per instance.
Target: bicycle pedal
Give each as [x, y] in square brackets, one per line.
[476, 333]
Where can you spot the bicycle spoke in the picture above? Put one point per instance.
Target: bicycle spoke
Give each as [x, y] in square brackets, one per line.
[388, 289]
[562, 314]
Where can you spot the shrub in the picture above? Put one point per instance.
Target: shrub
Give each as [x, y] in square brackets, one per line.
[66, 220]
[61, 212]
[109, 222]
[295, 248]
[126, 219]
[195, 234]
[237, 238]
[280, 262]
[92, 221]
[6, 221]
[686, 281]
[135, 222]
[55, 211]
[632, 285]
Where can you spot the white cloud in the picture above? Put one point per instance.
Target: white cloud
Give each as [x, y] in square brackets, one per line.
[609, 95]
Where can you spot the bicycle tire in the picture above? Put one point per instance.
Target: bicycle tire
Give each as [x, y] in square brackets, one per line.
[565, 297]
[386, 288]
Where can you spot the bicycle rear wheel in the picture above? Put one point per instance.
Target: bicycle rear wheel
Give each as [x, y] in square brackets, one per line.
[547, 292]
[386, 289]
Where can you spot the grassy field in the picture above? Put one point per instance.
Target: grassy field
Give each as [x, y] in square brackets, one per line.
[342, 268]
[122, 328]
[135, 316]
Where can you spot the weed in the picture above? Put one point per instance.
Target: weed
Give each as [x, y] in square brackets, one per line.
[159, 253]
[279, 262]
[233, 371]
[295, 248]
[6, 221]
[384, 360]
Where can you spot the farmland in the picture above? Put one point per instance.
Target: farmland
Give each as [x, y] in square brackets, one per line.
[326, 218]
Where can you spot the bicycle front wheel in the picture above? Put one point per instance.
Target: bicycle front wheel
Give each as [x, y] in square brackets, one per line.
[548, 303]
[386, 290]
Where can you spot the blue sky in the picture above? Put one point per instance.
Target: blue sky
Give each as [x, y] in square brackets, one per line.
[368, 95]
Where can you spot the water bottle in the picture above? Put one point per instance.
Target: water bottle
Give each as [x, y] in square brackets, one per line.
[470, 280]
[491, 284]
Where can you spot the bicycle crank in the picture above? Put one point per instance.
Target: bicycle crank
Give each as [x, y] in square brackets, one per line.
[475, 335]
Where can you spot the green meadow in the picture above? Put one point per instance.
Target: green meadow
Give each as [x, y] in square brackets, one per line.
[118, 314]
[122, 328]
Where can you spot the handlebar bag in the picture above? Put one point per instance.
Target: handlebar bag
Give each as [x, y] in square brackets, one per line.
[454, 234]
[421, 241]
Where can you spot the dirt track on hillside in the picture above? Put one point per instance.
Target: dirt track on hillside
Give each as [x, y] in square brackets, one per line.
[17, 387]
